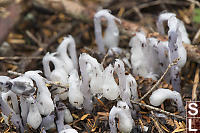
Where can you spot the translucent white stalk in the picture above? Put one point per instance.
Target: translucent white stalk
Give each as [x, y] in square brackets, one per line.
[75, 94]
[44, 101]
[160, 95]
[67, 53]
[127, 83]
[67, 116]
[111, 37]
[87, 103]
[126, 122]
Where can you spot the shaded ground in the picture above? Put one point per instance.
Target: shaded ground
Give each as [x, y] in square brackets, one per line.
[36, 27]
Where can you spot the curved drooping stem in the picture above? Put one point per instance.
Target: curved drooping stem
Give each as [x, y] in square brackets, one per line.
[160, 95]
[58, 74]
[163, 17]
[68, 44]
[112, 32]
[126, 122]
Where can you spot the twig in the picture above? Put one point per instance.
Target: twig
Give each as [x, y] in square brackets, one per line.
[158, 110]
[18, 58]
[196, 81]
[47, 81]
[158, 82]
[156, 123]
[196, 37]
[30, 35]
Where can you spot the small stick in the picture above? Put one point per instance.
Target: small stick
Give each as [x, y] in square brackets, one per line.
[158, 82]
[196, 37]
[158, 110]
[196, 81]
[47, 81]
[18, 57]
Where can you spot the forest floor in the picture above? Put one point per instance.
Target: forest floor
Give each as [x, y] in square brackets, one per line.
[34, 27]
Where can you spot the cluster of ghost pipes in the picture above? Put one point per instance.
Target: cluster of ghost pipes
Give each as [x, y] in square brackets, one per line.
[149, 58]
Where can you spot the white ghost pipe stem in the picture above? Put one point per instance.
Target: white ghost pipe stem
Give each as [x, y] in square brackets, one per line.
[111, 33]
[160, 95]
[87, 103]
[14, 100]
[68, 45]
[75, 95]
[24, 109]
[173, 47]
[126, 122]
[44, 101]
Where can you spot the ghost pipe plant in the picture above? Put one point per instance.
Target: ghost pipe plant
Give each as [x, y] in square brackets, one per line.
[139, 54]
[59, 74]
[165, 17]
[160, 95]
[91, 72]
[75, 95]
[122, 112]
[68, 45]
[176, 51]
[127, 83]
[44, 101]
[111, 37]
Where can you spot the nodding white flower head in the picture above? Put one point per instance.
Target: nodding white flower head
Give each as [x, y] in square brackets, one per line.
[3, 81]
[68, 131]
[34, 118]
[67, 116]
[111, 34]
[122, 112]
[44, 101]
[110, 88]
[75, 94]
[160, 95]
[139, 40]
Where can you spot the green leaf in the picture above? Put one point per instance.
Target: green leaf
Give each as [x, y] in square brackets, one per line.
[196, 17]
